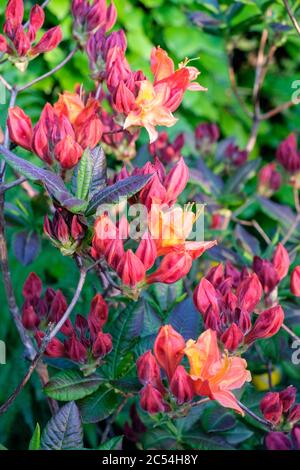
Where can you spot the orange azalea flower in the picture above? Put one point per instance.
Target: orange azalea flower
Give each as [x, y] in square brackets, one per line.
[155, 103]
[69, 104]
[170, 229]
[216, 375]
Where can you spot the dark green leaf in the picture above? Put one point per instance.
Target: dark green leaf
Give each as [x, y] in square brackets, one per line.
[72, 385]
[35, 441]
[64, 430]
[98, 181]
[26, 246]
[124, 188]
[241, 176]
[99, 405]
[112, 444]
[83, 175]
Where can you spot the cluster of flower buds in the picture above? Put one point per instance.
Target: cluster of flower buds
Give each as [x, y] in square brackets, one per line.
[84, 343]
[18, 40]
[211, 374]
[279, 407]
[66, 231]
[206, 134]
[270, 273]
[63, 131]
[227, 298]
[165, 233]
[288, 155]
[269, 180]
[166, 151]
[89, 17]
[115, 140]
[277, 440]
[235, 155]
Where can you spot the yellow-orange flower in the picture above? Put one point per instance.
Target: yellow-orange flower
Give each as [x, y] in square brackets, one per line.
[150, 110]
[156, 102]
[214, 374]
[69, 104]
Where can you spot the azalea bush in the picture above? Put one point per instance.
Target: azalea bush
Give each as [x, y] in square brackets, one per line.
[149, 225]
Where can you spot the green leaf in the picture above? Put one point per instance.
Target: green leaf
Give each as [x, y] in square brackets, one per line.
[53, 183]
[112, 444]
[124, 188]
[127, 326]
[241, 176]
[3, 447]
[35, 441]
[64, 430]
[99, 171]
[70, 385]
[217, 420]
[99, 405]
[84, 175]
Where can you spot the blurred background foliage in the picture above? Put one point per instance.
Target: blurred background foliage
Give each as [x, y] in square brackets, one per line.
[205, 30]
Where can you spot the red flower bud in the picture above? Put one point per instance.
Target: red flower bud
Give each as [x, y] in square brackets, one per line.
[173, 267]
[267, 324]
[97, 316]
[169, 349]
[30, 319]
[288, 155]
[269, 179]
[294, 414]
[295, 435]
[271, 407]
[152, 400]
[288, 397]
[20, 127]
[49, 41]
[68, 152]
[295, 281]
[41, 134]
[3, 44]
[176, 180]
[57, 309]
[147, 251]
[206, 298]
[267, 274]
[281, 261]
[88, 127]
[131, 269]
[75, 350]
[182, 386]
[148, 371]
[36, 21]
[102, 345]
[206, 133]
[77, 230]
[14, 12]
[62, 230]
[123, 99]
[277, 441]
[111, 16]
[54, 349]
[32, 287]
[114, 251]
[232, 337]
[249, 293]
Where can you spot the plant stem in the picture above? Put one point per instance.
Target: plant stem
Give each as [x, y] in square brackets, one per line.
[292, 16]
[48, 74]
[260, 420]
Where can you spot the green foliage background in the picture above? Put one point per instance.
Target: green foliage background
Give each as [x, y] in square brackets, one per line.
[147, 23]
